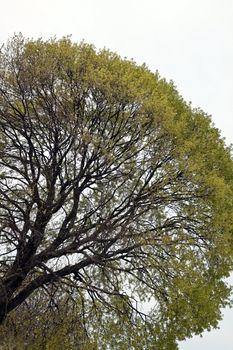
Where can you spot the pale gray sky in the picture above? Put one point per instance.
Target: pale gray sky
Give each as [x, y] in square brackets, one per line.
[188, 41]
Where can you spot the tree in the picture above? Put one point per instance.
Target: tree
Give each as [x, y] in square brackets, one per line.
[112, 186]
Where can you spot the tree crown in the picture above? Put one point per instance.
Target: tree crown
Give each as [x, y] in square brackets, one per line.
[111, 183]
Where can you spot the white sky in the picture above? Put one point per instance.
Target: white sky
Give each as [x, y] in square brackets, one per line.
[188, 41]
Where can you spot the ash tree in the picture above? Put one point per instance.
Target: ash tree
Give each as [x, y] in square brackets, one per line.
[113, 187]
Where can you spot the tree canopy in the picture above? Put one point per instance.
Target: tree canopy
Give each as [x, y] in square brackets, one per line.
[114, 190]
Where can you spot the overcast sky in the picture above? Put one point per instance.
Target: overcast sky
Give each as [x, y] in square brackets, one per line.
[188, 41]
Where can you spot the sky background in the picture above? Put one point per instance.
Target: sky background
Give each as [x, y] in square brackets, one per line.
[187, 41]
